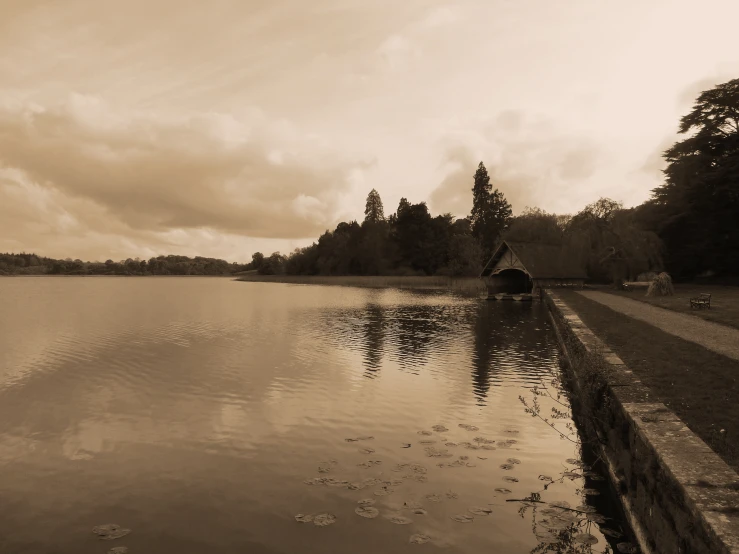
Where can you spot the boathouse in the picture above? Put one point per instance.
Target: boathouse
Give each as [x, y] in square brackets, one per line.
[520, 270]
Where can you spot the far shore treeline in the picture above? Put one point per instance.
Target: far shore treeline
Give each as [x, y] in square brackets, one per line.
[689, 227]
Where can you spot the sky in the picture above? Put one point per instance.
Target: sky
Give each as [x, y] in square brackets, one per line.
[144, 127]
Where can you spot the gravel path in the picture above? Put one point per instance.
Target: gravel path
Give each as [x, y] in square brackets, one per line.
[719, 338]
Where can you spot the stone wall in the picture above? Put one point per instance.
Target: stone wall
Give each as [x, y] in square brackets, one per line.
[682, 498]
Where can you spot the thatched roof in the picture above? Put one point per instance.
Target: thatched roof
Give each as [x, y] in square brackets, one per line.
[541, 260]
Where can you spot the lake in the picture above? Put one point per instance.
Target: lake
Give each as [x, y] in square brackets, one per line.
[205, 414]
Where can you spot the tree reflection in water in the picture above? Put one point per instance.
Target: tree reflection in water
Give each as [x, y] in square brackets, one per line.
[374, 334]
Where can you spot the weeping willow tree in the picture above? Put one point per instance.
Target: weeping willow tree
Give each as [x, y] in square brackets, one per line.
[610, 243]
[604, 238]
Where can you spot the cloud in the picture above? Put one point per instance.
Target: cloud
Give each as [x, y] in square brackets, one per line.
[690, 93]
[527, 159]
[143, 172]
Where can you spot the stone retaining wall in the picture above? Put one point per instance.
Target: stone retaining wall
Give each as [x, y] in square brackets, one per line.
[682, 497]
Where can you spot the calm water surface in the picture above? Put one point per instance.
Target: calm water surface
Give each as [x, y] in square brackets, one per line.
[193, 411]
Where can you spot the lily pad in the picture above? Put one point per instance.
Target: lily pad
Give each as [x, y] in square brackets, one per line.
[513, 461]
[596, 518]
[545, 478]
[400, 520]
[433, 497]
[627, 548]
[549, 512]
[433, 452]
[110, 531]
[483, 440]
[337, 482]
[450, 444]
[417, 468]
[455, 463]
[594, 476]
[367, 511]
[419, 511]
[546, 537]
[510, 479]
[611, 533]
[419, 538]
[427, 441]
[573, 461]
[462, 518]
[451, 495]
[506, 466]
[367, 450]
[370, 463]
[468, 427]
[584, 508]
[470, 464]
[425, 433]
[487, 447]
[481, 458]
[406, 445]
[571, 475]
[321, 520]
[304, 518]
[440, 429]
[558, 522]
[480, 511]
[502, 490]
[315, 481]
[366, 502]
[586, 538]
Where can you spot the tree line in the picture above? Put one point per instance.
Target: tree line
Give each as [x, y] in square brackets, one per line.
[689, 226]
[31, 264]
[410, 241]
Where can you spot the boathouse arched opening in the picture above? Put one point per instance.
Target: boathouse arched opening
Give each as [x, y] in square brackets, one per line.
[512, 281]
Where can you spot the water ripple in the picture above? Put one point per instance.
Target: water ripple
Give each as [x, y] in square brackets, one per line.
[193, 409]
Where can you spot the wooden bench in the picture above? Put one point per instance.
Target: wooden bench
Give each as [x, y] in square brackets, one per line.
[631, 285]
[703, 300]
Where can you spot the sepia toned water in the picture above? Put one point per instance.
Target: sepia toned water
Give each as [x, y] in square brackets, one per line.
[205, 414]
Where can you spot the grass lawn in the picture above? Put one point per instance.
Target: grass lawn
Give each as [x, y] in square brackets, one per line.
[700, 386]
[724, 301]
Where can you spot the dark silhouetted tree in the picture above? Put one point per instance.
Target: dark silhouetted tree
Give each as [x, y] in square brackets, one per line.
[696, 210]
[373, 211]
[491, 212]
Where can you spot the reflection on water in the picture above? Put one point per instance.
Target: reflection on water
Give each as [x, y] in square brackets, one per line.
[207, 415]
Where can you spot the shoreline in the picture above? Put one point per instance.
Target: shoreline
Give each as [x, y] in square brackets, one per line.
[467, 284]
[137, 276]
[666, 475]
